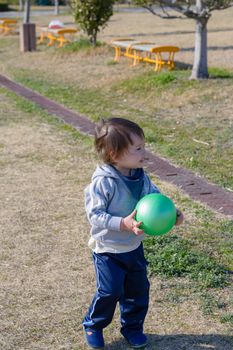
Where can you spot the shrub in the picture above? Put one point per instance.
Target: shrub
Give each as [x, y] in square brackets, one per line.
[91, 15]
[4, 7]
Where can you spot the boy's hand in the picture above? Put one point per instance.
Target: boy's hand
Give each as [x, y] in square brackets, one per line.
[179, 217]
[129, 224]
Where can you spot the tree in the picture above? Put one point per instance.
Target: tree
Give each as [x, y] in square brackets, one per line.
[91, 15]
[200, 11]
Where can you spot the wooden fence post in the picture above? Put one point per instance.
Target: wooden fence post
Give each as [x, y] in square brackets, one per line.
[27, 37]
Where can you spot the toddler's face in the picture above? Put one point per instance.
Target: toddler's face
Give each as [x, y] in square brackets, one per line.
[133, 158]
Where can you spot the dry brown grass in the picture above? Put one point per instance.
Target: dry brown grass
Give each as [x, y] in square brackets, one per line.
[43, 236]
[47, 278]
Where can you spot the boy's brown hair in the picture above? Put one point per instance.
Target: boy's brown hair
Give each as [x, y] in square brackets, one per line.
[113, 136]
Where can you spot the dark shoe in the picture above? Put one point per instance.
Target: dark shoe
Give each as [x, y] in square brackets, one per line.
[94, 338]
[137, 340]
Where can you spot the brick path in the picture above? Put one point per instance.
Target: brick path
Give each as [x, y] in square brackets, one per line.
[198, 188]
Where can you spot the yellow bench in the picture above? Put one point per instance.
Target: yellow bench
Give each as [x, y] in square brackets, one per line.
[146, 52]
[43, 34]
[61, 36]
[122, 47]
[159, 55]
[8, 25]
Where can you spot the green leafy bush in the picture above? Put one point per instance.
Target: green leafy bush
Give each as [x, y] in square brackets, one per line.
[91, 15]
[3, 7]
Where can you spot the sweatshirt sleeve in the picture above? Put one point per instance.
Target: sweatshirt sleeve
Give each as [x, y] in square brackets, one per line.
[97, 197]
[153, 188]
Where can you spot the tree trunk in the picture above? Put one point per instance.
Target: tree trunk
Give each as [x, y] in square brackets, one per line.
[56, 5]
[200, 65]
[93, 38]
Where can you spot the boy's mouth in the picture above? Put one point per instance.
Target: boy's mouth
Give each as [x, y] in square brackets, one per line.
[144, 160]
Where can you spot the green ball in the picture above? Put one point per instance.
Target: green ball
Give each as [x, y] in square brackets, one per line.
[157, 213]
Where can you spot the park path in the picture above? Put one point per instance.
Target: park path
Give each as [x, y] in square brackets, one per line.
[195, 186]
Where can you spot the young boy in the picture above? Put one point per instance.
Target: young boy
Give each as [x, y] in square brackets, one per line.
[116, 237]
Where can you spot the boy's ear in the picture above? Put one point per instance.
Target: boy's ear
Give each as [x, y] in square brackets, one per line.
[112, 155]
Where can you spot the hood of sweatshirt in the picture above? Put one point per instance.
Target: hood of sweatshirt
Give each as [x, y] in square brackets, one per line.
[105, 170]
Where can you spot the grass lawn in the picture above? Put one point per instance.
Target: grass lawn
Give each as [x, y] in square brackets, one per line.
[47, 278]
[45, 286]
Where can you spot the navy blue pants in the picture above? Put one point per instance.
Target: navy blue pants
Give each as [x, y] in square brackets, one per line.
[120, 278]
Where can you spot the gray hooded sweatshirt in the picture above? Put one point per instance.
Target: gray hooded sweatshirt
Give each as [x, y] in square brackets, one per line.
[107, 200]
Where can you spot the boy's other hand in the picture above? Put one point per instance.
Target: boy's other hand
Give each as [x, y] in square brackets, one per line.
[131, 225]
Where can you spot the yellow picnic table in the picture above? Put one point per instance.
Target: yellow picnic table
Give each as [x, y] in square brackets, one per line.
[7, 25]
[145, 52]
[61, 36]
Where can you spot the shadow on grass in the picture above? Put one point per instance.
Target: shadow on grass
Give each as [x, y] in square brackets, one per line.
[183, 66]
[181, 342]
[175, 32]
[214, 72]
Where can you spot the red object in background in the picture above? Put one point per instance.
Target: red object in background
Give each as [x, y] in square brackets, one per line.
[55, 24]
